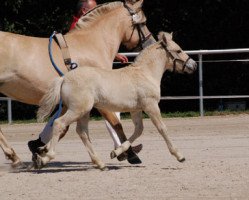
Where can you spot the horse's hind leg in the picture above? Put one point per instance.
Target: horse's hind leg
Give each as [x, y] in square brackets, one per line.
[115, 123]
[8, 151]
[82, 130]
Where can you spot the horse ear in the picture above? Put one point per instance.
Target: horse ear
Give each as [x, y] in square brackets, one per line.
[171, 35]
[161, 36]
[136, 3]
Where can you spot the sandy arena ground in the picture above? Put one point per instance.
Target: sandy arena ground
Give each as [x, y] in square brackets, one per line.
[216, 166]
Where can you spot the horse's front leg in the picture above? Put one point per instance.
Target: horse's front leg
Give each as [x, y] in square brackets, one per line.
[155, 115]
[117, 126]
[9, 151]
[137, 119]
[82, 130]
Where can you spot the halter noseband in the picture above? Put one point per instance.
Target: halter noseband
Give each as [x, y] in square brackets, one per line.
[174, 58]
[136, 25]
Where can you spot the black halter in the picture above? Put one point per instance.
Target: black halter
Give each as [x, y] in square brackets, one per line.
[142, 37]
[175, 58]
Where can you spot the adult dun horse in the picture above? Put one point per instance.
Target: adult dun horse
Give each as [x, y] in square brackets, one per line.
[134, 89]
[26, 71]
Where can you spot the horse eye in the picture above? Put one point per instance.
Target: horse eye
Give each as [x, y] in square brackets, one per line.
[178, 51]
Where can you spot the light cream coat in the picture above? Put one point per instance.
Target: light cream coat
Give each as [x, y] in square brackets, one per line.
[25, 68]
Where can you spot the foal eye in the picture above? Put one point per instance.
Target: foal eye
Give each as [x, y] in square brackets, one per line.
[178, 51]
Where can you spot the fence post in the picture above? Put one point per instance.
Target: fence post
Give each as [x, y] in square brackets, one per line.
[9, 111]
[201, 85]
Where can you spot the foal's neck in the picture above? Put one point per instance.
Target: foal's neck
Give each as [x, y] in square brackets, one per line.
[152, 62]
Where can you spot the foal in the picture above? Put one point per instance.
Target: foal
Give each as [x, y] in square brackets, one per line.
[133, 89]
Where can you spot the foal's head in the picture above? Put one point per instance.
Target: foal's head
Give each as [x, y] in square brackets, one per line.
[137, 36]
[179, 60]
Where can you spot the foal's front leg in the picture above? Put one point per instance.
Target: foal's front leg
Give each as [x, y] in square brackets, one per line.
[60, 127]
[82, 130]
[155, 115]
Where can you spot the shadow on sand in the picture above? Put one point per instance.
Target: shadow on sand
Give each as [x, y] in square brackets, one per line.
[56, 167]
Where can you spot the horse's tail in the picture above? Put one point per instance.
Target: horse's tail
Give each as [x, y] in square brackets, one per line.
[50, 100]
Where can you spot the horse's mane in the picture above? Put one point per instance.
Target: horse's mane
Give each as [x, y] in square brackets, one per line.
[93, 15]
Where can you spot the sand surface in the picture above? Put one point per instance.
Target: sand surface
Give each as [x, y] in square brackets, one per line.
[216, 166]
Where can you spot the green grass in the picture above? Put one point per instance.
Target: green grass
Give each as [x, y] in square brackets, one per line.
[164, 115]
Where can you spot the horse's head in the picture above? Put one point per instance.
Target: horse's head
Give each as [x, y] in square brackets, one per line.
[179, 60]
[137, 36]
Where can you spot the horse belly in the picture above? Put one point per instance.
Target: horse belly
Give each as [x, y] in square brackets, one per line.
[22, 92]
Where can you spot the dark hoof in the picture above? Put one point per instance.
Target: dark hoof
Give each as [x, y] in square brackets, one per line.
[134, 160]
[34, 146]
[182, 160]
[37, 161]
[113, 155]
[137, 149]
[132, 157]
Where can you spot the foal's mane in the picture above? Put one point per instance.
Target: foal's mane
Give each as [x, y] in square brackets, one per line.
[146, 53]
[93, 15]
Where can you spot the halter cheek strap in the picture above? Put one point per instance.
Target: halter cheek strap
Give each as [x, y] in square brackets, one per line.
[138, 25]
[175, 59]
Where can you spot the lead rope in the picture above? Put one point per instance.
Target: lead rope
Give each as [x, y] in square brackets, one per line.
[58, 112]
[51, 55]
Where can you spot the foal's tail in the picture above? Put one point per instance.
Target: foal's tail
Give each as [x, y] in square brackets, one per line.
[50, 100]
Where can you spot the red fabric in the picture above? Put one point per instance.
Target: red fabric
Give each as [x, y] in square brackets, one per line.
[75, 20]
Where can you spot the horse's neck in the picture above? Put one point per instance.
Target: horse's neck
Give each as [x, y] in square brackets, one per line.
[108, 32]
[153, 63]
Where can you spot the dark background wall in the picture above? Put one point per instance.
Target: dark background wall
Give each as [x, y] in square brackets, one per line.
[206, 24]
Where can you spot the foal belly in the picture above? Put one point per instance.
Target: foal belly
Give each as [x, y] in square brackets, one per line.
[124, 105]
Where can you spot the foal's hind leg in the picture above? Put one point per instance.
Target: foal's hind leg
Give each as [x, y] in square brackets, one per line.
[115, 123]
[154, 113]
[60, 127]
[82, 130]
[8, 151]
